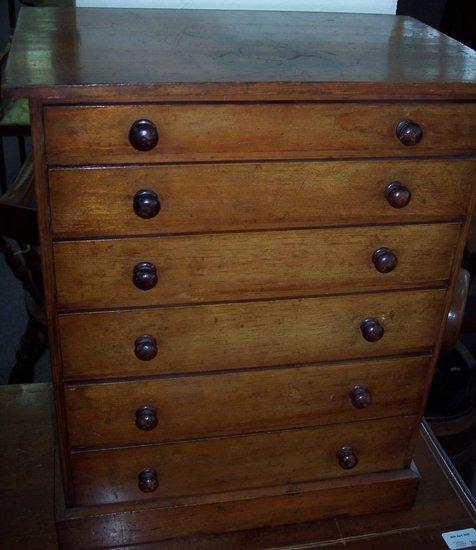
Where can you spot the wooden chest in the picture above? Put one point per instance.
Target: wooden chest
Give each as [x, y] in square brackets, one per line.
[251, 225]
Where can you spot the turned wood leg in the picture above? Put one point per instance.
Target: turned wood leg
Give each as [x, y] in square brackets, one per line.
[32, 346]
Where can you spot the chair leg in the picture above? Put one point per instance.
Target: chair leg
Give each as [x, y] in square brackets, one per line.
[21, 149]
[12, 16]
[32, 346]
[20, 270]
[3, 169]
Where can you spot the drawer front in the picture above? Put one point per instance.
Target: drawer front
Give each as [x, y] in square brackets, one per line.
[144, 411]
[222, 267]
[243, 335]
[195, 132]
[219, 197]
[226, 464]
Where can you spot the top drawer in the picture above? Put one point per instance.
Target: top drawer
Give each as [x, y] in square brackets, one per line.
[230, 131]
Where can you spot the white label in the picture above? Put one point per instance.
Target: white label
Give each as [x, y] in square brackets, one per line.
[465, 538]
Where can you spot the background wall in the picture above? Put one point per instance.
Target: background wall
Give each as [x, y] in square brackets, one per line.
[363, 6]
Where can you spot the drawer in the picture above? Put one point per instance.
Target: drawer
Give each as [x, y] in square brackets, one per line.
[141, 411]
[240, 266]
[228, 464]
[220, 197]
[235, 131]
[245, 335]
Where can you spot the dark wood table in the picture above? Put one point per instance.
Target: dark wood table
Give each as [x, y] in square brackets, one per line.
[27, 495]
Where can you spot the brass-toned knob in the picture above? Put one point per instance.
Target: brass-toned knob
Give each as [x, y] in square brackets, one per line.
[146, 203]
[371, 329]
[347, 458]
[360, 397]
[384, 260]
[408, 132]
[146, 418]
[143, 135]
[145, 275]
[145, 347]
[397, 194]
[148, 481]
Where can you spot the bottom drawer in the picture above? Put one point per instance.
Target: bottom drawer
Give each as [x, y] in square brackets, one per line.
[229, 464]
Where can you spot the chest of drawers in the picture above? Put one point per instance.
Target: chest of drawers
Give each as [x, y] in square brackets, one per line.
[251, 226]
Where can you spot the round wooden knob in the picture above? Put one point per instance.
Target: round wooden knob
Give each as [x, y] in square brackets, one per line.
[372, 330]
[384, 260]
[146, 418]
[146, 203]
[145, 347]
[143, 135]
[409, 133]
[148, 481]
[347, 458]
[397, 194]
[145, 275]
[360, 397]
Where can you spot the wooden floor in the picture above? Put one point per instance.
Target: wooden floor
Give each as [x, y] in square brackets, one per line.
[26, 496]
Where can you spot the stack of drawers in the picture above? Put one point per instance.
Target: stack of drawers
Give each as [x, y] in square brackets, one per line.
[231, 317]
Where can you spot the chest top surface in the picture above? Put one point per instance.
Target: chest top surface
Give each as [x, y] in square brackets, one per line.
[205, 54]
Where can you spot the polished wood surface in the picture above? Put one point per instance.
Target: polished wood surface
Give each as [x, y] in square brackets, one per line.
[246, 335]
[143, 135]
[145, 347]
[196, 132]
[372, 329]
[198, 304]
[223, 267]
[368, 493]
[221, 197]
[48, 276]
[144, 275]
[217, 465]
[384, 260]
[409, 133]
[185, 407]
[28, 519]
[398, 194]
[146, 203]
[27, 433]
[204, 55]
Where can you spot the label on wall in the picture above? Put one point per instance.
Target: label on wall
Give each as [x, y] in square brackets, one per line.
[354, 6]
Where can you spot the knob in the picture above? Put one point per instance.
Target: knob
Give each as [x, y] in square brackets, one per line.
[145, 347]
[146, 418]
[384, 260]
[372, 330]
[347, 458]
[143, 135]
[148, 481]
[146, 203]
[145, 275]
[397, 194]
[409, 133]
[360, 397]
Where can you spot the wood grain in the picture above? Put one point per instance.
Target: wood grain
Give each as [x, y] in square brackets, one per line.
[29, 522]
[235, 131]
[211, 405]
[48, 276]
[245, 335]
[228, 464]
[361, 494]
[259, 87]
[202, 55]
[218, 197]
[242, 266]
